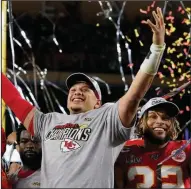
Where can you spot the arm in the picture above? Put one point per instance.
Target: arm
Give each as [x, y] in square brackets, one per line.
[23, 110]
[129, 103]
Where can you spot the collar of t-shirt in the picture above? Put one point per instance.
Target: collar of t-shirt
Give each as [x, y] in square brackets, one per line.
[25, 173]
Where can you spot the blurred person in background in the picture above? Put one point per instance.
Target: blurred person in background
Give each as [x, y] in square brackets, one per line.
[27, 175]
[158, 128]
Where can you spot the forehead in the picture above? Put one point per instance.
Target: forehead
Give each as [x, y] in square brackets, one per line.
[81, 84]
[161, 111]
[25, 134]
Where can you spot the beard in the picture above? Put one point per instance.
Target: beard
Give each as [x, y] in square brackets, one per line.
[34, 162]
[154, 139]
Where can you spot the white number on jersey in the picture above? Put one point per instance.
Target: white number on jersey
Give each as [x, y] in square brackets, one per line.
[149, 176]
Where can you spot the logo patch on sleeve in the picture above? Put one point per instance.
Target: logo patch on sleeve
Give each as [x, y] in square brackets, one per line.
[180, 157]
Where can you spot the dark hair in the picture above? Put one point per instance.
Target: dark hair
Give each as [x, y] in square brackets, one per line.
[19, 131]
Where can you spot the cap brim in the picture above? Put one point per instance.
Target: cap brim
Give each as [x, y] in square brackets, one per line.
[171, 109]
[77, 77]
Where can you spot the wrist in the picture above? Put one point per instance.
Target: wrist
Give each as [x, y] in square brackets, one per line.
[151, 63]
[155, 47]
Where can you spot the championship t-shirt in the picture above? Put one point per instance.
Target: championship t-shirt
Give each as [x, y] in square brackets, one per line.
[79, 151]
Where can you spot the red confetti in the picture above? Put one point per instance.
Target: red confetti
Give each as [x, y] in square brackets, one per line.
[185, 20]
[130, 65]
[143, 11]
[159, 92]
[143, 22]
[188, 64]
[179, 8]
[187, 43]
[153, 4]
[171, 18]
[171, 70]
[181, 111]
[187, 108]
[185, 51]
[148, 9]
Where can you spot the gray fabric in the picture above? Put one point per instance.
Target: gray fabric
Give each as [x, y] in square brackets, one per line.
[32, 181]
[80, 157]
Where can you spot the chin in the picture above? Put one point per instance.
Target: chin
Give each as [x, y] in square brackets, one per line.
[76, 109]
[160, 136]
[156, 138]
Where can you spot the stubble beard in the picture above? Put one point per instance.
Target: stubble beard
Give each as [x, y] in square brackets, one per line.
[153, 139]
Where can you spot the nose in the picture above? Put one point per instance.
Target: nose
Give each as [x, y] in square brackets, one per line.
[30, 145]
[78, 92]
[159, 120]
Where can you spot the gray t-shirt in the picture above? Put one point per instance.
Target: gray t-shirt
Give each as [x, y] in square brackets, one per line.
[31, 181]
[79, 151]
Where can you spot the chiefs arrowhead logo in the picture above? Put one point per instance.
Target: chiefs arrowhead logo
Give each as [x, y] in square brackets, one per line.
[68, 145]
[180, 157]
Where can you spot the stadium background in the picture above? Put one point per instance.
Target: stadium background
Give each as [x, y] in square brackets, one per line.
[76, 36]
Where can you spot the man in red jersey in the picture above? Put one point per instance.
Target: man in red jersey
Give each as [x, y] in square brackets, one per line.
[136, 166]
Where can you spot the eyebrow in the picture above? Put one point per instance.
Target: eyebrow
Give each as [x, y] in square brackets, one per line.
[35, 139]
[158, 113]
[87, 86]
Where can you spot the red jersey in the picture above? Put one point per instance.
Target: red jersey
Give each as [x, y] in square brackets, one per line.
[139, 165]
[5, 183]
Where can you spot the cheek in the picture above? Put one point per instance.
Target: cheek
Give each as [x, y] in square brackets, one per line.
[21, 148]
[168, 125]
[150, 123]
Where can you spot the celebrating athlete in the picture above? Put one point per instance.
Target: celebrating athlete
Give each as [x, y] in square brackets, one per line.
[136, 166]
[79, 150]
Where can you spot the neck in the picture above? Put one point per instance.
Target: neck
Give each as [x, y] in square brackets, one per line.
[150, 145]
[28, 168]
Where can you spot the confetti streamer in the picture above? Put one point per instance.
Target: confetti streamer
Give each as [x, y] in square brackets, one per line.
[148, 8]
[165, 7]
[177, 90]
[106, 13]
[119, 48]
[106, 84]
[10, 13]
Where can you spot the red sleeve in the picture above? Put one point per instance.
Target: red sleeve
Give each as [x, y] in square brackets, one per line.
[13, 99]
[3, 141]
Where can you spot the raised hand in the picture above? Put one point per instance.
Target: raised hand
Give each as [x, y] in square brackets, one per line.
[158, 28]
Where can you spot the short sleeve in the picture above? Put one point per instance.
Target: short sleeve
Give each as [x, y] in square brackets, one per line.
[40, 122]
[115, 129]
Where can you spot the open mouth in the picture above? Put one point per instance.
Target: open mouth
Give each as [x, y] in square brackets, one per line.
[159, 129]
[77, 100]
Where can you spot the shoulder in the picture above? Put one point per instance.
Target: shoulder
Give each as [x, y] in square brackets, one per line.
[179, 143]
[181, 148]
[134, 142]
[132, 146]
[104, 109]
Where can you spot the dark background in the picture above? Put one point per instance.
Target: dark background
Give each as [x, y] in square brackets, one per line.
[87, 47]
